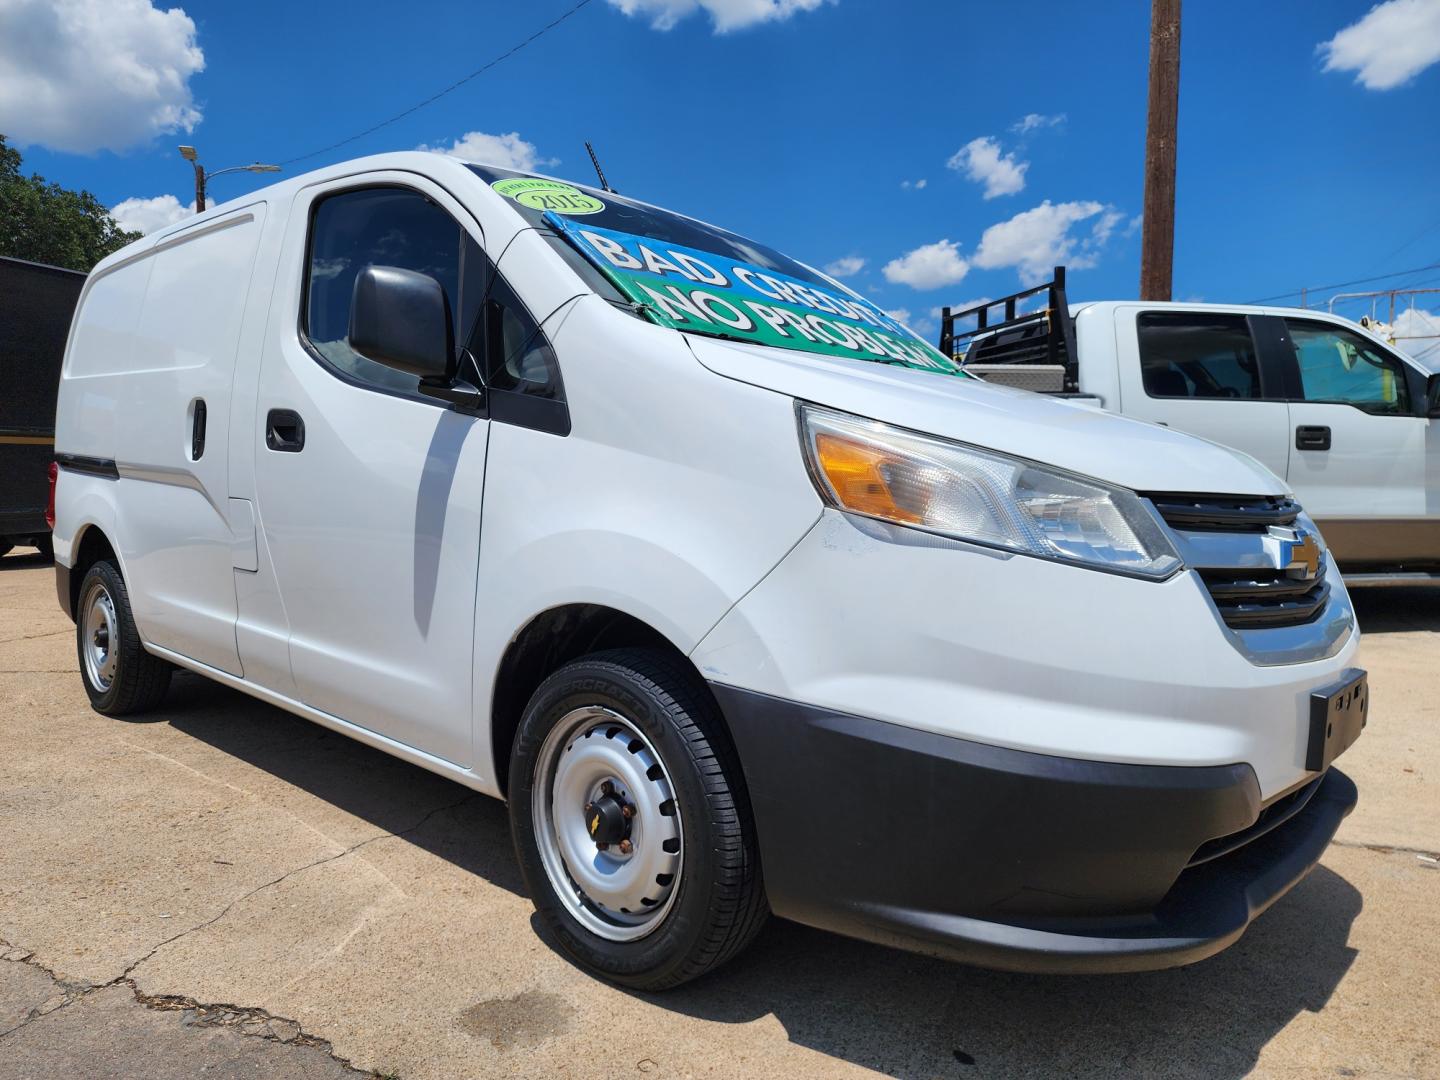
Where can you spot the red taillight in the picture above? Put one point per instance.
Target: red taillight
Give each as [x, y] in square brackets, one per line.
[50, 504]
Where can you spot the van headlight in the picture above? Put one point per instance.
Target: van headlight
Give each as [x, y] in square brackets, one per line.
[906, 478]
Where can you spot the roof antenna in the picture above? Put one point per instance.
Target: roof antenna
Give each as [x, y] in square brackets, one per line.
[599, 171]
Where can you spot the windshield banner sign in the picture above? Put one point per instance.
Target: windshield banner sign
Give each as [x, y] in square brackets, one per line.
[699, 291]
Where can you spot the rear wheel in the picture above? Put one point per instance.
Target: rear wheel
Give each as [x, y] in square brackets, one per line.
[119, 675]
[631, 822]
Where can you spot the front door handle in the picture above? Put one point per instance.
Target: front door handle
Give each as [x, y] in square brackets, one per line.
[285, 431]
[1312, 437]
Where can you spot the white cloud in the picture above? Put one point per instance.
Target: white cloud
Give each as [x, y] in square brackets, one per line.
[1032, 121]
[900, 314]
[847, 266]
[88, 75]
[1417, 332]
[147, 215]
[939, 312]
[508, 151]
[914, 185]
[1390, 45]
[725, 15]
[1036, 240]
[981, 160]
[1101, 232]
[928, 267]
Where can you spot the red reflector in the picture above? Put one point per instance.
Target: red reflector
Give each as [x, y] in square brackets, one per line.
[54, 473]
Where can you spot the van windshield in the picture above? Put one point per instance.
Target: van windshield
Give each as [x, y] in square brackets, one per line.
[683, 273]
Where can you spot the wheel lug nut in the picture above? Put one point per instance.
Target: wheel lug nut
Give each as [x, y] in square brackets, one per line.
[626, 847]
[627, 811]
[602, 845]
[607, 788]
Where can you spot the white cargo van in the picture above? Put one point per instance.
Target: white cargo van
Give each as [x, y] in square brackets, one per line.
[1350, 422]
[739, 593]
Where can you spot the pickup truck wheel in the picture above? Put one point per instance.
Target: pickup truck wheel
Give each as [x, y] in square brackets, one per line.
[119, 675]
[631, 822]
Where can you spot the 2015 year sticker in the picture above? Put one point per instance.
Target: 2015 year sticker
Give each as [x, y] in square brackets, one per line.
[548, 195]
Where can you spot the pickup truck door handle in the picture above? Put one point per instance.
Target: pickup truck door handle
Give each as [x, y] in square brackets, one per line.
[284, 431]
[1312, 437]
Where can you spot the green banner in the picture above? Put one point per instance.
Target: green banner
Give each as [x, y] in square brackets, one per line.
[703, 292]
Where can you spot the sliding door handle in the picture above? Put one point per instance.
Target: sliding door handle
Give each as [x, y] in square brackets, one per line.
[284, 431]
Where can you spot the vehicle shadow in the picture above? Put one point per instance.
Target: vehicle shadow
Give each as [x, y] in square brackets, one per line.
[392, 795]
[912, 1017]
[1388, 609]
[903, 1015]
[24, 559]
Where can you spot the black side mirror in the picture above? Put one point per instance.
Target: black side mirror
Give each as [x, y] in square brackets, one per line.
[400, 318]
[1432, 395]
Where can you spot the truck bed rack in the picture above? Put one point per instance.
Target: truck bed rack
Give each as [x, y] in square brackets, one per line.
[1034, 350]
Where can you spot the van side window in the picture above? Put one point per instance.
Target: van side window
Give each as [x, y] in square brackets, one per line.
[1197, 354]
[1340, 366]
[384, 226]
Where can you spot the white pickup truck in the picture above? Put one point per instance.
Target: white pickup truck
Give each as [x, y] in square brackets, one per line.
[1350, 424]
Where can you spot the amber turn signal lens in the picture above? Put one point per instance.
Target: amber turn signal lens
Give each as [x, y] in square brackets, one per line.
[854, 472]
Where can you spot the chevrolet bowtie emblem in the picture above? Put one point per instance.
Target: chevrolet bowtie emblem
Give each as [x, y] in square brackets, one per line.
[1304, 558]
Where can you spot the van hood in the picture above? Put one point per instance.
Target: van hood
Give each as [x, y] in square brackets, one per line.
[1080, 438]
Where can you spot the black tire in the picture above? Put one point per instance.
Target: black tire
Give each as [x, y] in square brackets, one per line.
[719, 900]
[139, 680]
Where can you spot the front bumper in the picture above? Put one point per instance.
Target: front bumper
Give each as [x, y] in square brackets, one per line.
[1013, 859]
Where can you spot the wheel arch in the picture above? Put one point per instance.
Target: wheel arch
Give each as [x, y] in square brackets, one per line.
[89, 545]
[551, 639]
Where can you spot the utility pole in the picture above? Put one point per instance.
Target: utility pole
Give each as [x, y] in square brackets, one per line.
[1157, 245]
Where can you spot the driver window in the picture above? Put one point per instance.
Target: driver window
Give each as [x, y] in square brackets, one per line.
[1343, 367]
[1196, 354]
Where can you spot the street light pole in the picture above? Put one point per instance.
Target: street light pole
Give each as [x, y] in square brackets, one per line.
[202, 177]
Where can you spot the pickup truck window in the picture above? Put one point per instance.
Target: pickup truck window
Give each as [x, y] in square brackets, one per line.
[1340, 366]
[1197, 354]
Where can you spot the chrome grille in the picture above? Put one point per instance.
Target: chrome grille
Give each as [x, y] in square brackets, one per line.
[1249, 596]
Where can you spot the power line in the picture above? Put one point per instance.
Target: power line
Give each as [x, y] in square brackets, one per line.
[437, 96]
[1343, 284]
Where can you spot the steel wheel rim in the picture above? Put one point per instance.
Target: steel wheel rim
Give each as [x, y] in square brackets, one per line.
[99, 637]
[617, 896]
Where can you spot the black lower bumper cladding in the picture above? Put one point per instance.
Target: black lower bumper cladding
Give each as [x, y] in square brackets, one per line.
[1005, 858]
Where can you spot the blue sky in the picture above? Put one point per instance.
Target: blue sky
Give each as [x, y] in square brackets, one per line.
[811, 128]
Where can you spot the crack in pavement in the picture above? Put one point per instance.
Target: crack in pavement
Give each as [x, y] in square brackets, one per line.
[1386, 849]
[36, 637]
[247, 1020]
[125, 975]
[72, 991]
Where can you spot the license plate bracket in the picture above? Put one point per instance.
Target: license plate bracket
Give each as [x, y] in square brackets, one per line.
[1338, 713]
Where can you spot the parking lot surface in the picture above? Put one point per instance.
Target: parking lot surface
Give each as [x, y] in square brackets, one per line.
[221, 886]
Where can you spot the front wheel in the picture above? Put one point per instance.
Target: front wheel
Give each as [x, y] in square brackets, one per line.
[631, 823]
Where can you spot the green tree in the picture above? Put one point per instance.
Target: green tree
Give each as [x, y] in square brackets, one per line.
[46, 223]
